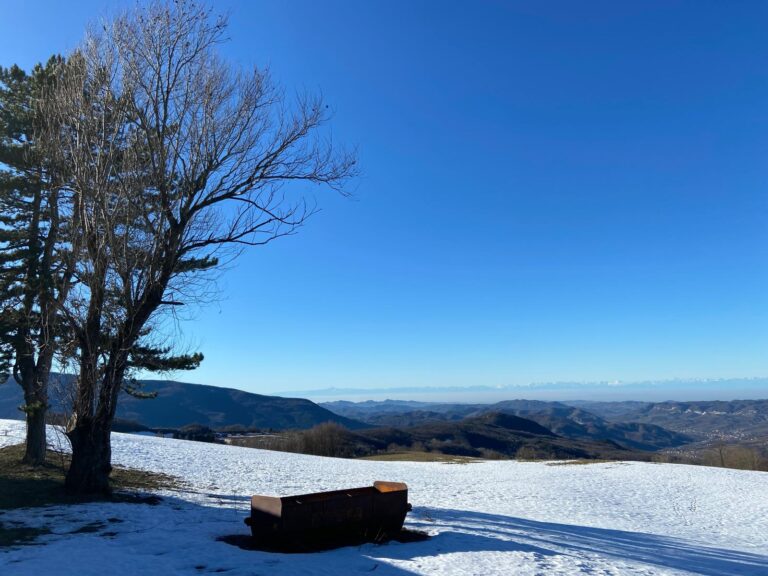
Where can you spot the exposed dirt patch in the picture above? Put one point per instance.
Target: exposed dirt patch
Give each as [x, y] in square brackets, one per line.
[24, 486]
[20, 535]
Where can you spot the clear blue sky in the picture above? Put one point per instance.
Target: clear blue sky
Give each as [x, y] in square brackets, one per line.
[550, 191]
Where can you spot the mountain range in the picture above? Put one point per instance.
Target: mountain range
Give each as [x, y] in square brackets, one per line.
[629, 425]
[178, 404]
[491, 435]
[701, 420]
[564, 420]
[494, 434]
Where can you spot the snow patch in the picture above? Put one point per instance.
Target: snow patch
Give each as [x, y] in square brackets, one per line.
[485, 518]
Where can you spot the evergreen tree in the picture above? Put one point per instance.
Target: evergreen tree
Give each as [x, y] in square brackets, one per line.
[35, 274]
[37, 266]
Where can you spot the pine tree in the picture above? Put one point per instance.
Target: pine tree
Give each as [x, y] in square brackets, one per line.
[34, 273]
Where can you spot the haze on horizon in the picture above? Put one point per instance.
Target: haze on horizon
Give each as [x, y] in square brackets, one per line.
[648, 391]
[551, 192]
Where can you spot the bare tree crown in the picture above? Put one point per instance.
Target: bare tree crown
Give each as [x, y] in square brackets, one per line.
[167, 157]
[174, 154]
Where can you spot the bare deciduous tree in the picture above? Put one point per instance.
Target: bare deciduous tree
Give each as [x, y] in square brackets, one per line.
[173, 156]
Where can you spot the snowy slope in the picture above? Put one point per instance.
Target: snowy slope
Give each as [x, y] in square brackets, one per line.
[485, 518]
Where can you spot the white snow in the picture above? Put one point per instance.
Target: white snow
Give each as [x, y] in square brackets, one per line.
[501, 517]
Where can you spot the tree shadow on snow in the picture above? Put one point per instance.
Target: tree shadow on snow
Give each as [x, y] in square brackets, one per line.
[464, 531]
[454, 531]
[451, 531]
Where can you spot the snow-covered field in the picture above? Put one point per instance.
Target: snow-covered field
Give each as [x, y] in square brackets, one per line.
[509, 518]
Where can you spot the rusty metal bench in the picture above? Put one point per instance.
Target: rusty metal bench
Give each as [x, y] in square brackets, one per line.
[372, 513]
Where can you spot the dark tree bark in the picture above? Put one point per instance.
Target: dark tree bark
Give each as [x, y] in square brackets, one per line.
[34, 452]
[36, 400]
[33, 377]
[91, 457]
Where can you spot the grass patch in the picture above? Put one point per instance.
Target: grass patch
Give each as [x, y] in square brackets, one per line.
[19, 535]
[416, 456]
[23, 486]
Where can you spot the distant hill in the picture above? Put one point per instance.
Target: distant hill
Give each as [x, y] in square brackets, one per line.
[568, 421]
[703, 420]
[497, 434]
[409, 419]
[614, 411]
[371, 410]
[491, 435]
[11, 398]
[378, 406]
[576, 423]
[178, 404]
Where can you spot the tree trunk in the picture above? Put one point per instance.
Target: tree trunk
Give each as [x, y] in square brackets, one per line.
[35, 387]
[34, 453]
[91, 456]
